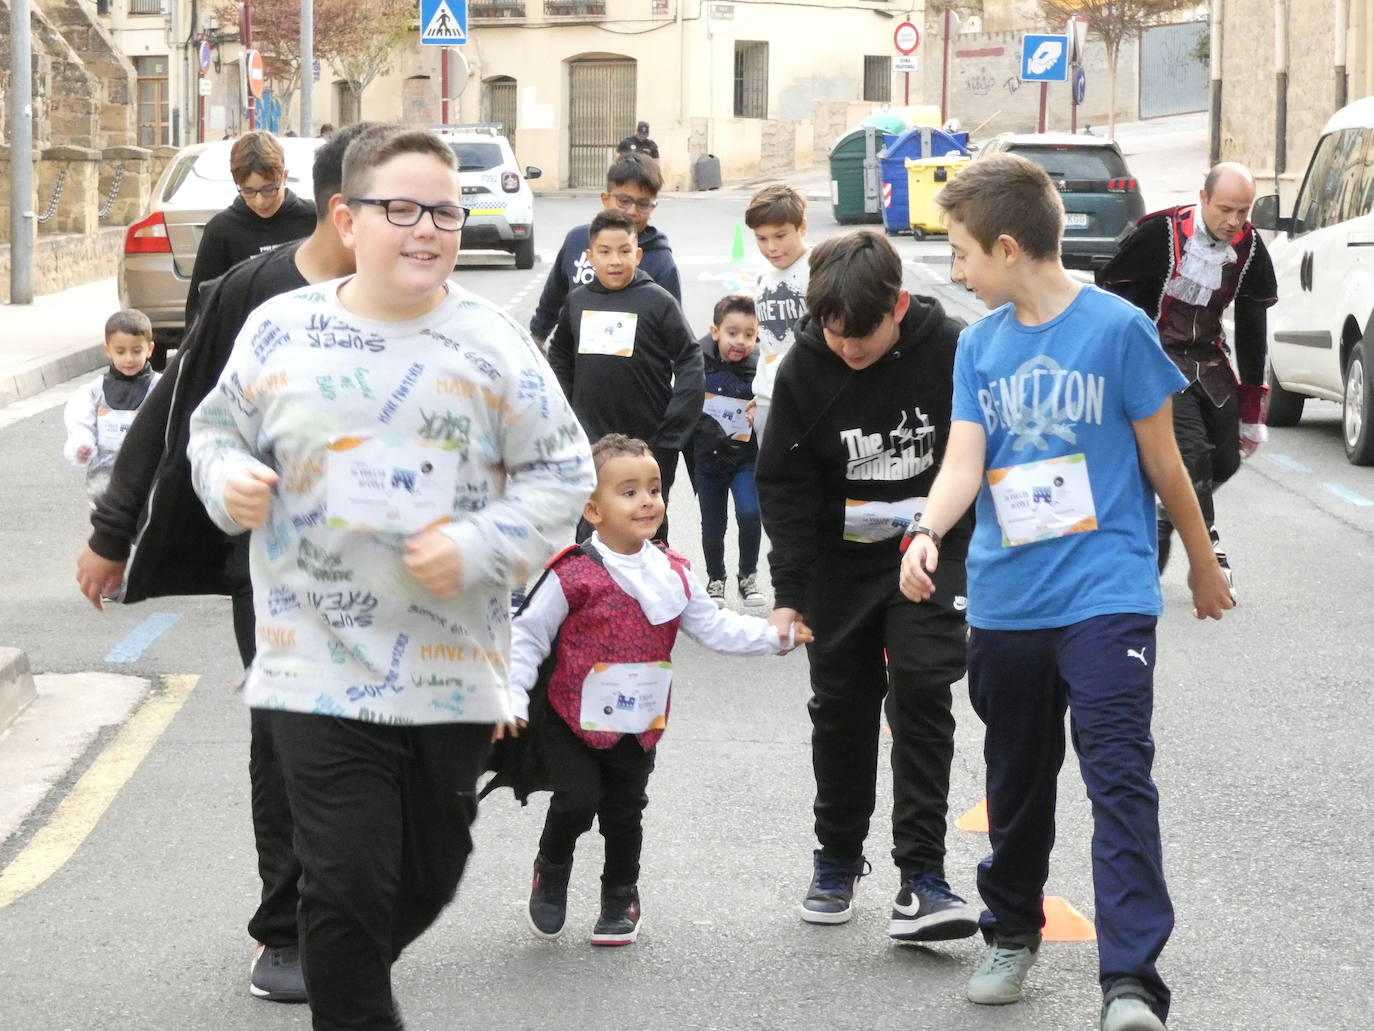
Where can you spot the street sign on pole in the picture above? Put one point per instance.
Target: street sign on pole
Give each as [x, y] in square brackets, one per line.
[204, 55]
[1080, 85]
[1044, 58]
[907, 63]
[444, 23]
[255, 79]
[906, 38]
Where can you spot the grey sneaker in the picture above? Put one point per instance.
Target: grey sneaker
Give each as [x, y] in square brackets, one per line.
[715, 590]
[749, 591]
[998, 981]
[1129, 1013]
[276, 974]
[925, 910]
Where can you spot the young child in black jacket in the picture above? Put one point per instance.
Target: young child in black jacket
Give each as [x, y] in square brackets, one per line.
[725, 448]
[859, 421]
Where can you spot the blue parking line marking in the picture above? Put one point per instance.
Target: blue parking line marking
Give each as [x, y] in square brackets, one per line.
[1346, 494]
[141, 637]
[1292, 464]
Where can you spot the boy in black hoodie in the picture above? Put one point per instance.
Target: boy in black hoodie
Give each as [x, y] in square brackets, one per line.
[624, 354]
[859, 421]
[632, 187]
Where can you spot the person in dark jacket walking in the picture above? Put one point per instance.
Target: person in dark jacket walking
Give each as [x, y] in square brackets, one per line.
[640, 142]
[725, 448]
[632, 186]
[624, 354]
[264, 215]
[858, 427]
[180, 551]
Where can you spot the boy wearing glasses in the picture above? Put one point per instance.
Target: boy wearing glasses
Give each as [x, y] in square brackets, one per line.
[402, 454]
[632, 187]
[264, 215]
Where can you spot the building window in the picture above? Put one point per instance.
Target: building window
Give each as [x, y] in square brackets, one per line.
[153, 127]
[878, 78]
[751, 80]
[145, 6]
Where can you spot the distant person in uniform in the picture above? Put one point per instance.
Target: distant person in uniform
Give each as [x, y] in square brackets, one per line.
[326, 130]
[639, 142]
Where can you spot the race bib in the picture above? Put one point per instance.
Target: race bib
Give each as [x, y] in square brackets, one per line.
[111, 427]
[868, 522]
[729, 415]
[626, 697]
[608, 332]
[390, 485]
[1042, 500]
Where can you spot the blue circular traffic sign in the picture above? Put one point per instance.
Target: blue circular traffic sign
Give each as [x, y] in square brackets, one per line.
[205, 55]
[1080, 85]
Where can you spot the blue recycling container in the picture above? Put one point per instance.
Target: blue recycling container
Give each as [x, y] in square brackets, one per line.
[896, 210]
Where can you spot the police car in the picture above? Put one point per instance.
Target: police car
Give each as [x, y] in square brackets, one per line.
[498, 198]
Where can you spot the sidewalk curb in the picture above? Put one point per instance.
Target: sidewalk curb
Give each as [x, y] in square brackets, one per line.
[38, 376]
[16, 685]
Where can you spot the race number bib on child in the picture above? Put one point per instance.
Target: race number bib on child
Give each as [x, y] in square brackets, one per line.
[626, 697]
[729, 415]
[1039, 501]
[111, 427]
[868, 522]
[608, 332]
[390, 485]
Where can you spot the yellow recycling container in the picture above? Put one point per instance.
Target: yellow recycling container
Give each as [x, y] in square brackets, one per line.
[924, 179]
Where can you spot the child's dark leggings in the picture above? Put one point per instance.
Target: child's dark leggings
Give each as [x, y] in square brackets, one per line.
[714, 488]
[1020, 683]
[606, 784]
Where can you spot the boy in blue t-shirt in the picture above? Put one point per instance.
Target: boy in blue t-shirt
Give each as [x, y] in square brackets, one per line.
[1062, 431]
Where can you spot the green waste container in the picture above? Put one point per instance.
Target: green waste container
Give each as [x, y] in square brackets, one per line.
[855, 178]
[925, 177]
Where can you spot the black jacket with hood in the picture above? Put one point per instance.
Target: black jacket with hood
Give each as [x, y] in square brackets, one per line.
[837, 435]
[714, 450]
[237, 233]
[572, 269]
[657, 392]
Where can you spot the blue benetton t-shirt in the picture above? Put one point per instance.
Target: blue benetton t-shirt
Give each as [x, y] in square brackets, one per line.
[1058, 400]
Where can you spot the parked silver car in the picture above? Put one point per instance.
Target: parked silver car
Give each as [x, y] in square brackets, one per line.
[160, 249]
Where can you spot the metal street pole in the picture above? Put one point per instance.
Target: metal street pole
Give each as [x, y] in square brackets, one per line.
[307, 68]
[247, 47]
[21, 155]
[443, 85]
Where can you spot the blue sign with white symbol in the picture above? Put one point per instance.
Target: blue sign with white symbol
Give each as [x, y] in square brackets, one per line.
[444, 23]
[204, 55]
[1080, 85]
[1044, 58]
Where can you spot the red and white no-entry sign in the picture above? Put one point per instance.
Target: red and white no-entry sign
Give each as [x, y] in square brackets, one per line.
[906, 37]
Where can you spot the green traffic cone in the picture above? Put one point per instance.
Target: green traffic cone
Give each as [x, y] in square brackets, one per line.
[737, 248]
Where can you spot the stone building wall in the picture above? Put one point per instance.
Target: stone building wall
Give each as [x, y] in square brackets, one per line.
[67, 260]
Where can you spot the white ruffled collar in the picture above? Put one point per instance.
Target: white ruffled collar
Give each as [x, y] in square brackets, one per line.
[648, 577]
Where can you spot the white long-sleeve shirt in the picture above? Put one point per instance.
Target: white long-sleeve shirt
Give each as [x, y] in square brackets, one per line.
[779, 301]
[721, 630]
[349, 412]
[91, 423]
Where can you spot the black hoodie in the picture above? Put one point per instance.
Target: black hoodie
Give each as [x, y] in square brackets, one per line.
[655, 393]
[237, 233]
[714, 450]
[834, 434]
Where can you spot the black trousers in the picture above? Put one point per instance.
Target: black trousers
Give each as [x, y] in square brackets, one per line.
[607, 784]
[855, 619]
[274, 921]
[1208, 438]
[382, 816]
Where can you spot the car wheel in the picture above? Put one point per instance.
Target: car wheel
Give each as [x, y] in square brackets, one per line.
[1357, 411]
[524, 253]
[1285, 407]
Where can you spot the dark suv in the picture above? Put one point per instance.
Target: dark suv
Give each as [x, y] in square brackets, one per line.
[1101, 197]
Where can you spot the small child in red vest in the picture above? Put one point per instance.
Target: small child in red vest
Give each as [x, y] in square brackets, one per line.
[608, 612]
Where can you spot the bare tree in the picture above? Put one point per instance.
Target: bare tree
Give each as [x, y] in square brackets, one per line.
[376, 29]
[1114, 22]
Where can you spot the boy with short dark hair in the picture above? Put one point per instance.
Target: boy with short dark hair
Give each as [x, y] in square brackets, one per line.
[777, 216]
[633, 184]
[1062, 431]
[394, 515]
[858, 428]
[624, 354]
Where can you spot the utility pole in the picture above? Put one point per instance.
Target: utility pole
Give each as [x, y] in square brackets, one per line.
[307, 68]
[248, 46]
[1280, 90]
[21, 154]
[1342, 12]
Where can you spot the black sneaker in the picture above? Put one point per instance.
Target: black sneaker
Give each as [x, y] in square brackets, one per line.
[1223, 561]
[619, 923]
[925, 910]
[548, 909]
[276, 974]
[830, 899]
[1165, 530]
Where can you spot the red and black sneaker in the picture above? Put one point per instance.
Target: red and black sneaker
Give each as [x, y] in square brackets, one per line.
[619, 923]
[548, 910]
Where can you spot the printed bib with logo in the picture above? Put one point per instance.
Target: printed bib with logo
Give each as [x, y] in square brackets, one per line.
[868, 522]
[626, 697]
[729, 413]
[111, 427]
[608, 332]
[1038, 501]
[390, 485]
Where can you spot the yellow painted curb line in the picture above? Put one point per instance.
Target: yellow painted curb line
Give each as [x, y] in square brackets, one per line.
[78, 813]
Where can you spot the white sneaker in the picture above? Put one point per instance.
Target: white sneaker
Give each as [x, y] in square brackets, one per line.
[715, 590]
[749, 591]
[998, 981]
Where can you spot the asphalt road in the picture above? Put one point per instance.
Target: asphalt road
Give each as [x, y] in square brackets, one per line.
[1264, 767]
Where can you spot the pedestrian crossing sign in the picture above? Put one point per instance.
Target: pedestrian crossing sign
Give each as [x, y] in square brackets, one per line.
[444, 23]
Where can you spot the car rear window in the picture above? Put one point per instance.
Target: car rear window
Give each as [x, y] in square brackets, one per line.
[477, 157]
[203, 180]
[1065, 162]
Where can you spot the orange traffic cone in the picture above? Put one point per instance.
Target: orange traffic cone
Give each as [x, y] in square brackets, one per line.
[1063, 923]
[975, 820]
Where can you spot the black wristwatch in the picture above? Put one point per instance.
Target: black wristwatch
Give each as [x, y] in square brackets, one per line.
[928, 532]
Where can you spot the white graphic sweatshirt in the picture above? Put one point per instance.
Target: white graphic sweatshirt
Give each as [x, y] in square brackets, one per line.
[779, 302]
[377, 431]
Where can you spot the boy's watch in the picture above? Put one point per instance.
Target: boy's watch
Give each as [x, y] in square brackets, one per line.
[925, 531]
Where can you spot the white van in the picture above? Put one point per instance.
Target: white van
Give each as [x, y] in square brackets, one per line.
[1321, 331]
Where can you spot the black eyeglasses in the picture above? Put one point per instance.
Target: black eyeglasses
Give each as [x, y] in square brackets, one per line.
[266, 192]
[625, 202]
[406, 213]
